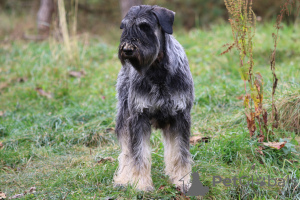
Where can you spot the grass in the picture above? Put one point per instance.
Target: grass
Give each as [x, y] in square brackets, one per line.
[54, 144]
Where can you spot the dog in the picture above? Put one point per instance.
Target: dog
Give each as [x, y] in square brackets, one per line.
[154, 89]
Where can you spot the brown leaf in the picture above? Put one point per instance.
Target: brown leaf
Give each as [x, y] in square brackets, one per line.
[251, 124]
[161, 187]
[274, 84]
[197, 139]
[77, 74]
[258, 82]
[275, 145]
[32, 190]
[3, 85]
[265, 117]
[103, 160]
[2, 195]
[1, 113]
[259, 150]
[276, 118]
[43, 93]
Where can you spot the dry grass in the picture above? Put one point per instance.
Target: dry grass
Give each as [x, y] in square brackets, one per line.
[289, 113]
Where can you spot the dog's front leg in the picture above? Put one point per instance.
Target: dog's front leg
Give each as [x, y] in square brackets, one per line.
[176, 151]
[139, 131]
[121, 177]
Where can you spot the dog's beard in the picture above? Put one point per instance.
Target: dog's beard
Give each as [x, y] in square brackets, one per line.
[141, 63]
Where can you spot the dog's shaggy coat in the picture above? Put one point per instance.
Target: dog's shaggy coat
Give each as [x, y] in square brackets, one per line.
[155, 87]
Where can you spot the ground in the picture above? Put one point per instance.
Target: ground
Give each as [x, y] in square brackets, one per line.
[60, 143]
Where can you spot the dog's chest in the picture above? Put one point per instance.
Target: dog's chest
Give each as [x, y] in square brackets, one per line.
[159, 98]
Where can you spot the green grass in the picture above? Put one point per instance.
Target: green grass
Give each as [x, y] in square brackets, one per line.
[54, 144]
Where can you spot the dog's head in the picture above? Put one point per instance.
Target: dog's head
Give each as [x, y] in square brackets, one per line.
[142, 39]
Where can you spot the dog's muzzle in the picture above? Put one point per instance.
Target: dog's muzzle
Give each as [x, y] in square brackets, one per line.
[127, 50]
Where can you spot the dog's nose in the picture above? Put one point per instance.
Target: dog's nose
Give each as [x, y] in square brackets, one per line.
[128, 49]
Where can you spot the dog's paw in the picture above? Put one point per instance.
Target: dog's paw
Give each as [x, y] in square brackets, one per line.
[182, 184]
[121, 180]
[143, 184]
[183, 188]
[145, 188]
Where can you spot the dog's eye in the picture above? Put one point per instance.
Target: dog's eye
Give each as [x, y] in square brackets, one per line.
[144, 27]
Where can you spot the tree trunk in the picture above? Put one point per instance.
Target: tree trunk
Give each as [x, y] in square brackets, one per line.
[127, 4]
[44, 16]
[2, 3]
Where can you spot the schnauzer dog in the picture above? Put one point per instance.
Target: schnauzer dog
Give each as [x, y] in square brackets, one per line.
[154, 88]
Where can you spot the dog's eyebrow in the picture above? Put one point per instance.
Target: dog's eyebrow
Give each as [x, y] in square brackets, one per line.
[140, 21]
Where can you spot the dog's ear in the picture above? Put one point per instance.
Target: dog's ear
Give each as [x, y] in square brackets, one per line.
[122, 25]
[165, 18]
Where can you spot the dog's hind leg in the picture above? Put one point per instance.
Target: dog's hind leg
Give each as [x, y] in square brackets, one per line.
[176, 151]
[140, 131]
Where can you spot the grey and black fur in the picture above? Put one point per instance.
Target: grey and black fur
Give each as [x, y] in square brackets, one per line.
[155, 88]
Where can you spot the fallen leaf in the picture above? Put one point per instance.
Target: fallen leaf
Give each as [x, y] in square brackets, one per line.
[197, 139]
[17, 196]
[103, 160]
[43, 93]
[1, 113]
[77, 74]
[3, 85]
[2, 195]
[275, 145]
[161, 187]
[260, 150]
[32, 190]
